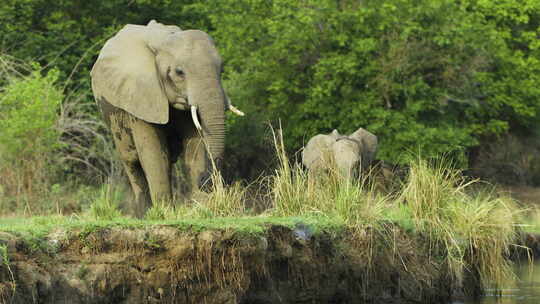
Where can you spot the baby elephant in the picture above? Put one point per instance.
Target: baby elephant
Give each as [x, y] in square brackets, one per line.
[351, 154]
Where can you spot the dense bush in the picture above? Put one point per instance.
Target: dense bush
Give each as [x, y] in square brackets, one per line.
[28, 115]
[435, 75]
[440, 76]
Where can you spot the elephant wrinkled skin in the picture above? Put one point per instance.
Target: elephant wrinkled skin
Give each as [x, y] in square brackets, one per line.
[351, 154]
[159, 89]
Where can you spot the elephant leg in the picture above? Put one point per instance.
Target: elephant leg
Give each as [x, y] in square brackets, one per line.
[151, 144]
[196, 161]
[139, 186]
[123, 141]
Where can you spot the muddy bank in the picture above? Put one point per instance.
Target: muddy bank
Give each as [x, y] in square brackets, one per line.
[162, 264]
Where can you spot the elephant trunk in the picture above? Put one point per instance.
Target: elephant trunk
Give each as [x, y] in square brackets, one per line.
[209, 99]
[213, 124]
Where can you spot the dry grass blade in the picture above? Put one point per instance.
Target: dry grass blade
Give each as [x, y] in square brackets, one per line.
[225, 200]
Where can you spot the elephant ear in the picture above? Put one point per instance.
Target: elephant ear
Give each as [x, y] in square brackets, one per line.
[369, 144]
[160, 26]
[126, 76]
[335, 134]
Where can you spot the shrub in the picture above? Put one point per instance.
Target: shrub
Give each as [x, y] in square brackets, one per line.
[28, 113]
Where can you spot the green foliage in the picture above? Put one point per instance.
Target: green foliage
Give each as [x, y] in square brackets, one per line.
[4, 258]
[105, 207]
[69, 34]
[435, 75]
[160, 211]
[28, 113]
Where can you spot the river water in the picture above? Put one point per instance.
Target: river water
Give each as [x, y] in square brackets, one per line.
[525, 289]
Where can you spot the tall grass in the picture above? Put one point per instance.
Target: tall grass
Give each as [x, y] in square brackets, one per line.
[472, 231]
[105, 206]
[469, 231]
[221, 201]
[325, 193]
[225, 200]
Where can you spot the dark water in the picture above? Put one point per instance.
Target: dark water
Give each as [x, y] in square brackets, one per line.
[524, 290]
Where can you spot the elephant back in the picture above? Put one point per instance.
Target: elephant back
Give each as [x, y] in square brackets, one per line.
[316, 148]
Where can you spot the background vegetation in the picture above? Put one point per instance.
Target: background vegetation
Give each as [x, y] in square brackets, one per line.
[442, 76]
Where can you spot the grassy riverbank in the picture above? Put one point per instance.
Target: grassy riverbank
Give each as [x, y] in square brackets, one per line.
[433, 211]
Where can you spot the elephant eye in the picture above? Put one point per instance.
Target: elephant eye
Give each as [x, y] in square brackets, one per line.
[179, 72]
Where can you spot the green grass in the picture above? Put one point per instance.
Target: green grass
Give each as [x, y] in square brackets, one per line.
[105, 206]
[5, 262]
[41, 226]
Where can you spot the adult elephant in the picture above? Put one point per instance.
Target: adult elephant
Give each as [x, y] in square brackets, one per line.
[159, 89]
[351, 154]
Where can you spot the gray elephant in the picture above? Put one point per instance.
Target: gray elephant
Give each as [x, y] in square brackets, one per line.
[351, 153]
[159, 90]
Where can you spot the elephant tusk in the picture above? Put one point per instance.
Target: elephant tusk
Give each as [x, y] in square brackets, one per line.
[231, 107]
[195, 118]
[235, 110]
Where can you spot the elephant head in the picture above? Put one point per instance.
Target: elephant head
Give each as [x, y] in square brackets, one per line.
[147, 70]
[350, 153]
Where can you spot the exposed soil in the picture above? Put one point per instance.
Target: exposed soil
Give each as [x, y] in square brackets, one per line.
[163, 264]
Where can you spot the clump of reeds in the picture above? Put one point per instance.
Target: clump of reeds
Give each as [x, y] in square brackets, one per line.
[223, 200]
[290, 187]
[472, 231]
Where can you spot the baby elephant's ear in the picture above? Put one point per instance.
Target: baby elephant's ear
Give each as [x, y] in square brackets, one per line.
[126, 76]
[156, 25]
[369, 142]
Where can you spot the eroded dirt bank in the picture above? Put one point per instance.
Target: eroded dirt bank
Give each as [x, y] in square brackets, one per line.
[163, 264]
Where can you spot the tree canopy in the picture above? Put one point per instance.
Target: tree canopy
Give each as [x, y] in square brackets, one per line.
[440, 76]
